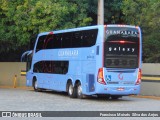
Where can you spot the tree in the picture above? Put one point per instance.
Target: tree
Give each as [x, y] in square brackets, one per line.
[22, 20]
[145, 13]
[112, 11]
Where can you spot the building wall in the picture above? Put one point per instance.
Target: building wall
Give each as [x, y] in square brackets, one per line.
[151, 85]
[151, 68]
[8, 70]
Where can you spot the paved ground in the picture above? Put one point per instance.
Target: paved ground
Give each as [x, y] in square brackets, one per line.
[28, 100]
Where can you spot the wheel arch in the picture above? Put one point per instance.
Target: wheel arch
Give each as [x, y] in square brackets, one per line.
[68, 81]
[77, 81]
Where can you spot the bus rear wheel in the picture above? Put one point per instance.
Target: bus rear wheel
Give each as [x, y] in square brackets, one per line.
[79, 91]
[71, 90]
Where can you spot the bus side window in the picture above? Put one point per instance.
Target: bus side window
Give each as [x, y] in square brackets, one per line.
[29, 62]
[65, 67]
[48, 42]
[89, 37]
[40, 44]
[77, 39]
[66, 41]
[57, 41]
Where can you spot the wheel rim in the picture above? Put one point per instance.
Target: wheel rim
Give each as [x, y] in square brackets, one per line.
[79, 90]
[70, 90]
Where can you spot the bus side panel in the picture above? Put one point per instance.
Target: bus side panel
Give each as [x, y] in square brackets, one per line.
[58, 82]
[88, 70]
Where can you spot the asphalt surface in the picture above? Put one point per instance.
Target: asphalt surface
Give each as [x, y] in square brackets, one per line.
[28, 100]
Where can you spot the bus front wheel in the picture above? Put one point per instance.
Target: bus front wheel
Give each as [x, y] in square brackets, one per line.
[35, 85]
[71, 90]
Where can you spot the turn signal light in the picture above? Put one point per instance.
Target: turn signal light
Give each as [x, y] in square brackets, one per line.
[100, 78]
[139, 77]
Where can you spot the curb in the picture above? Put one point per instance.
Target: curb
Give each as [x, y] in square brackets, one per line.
[21, 87]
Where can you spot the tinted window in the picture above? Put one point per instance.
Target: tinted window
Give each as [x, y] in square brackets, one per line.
[66, 40]
[55, 67]
[85, 38]
[40, 43]
[89, 38]
[48, 42]
[57, 42]
[29, 62]
[121, 48]
[77, 39]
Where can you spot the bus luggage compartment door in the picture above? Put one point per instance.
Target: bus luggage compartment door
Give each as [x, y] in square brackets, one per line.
[90, 79]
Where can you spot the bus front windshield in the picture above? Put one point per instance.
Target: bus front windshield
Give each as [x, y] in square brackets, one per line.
[121, 47]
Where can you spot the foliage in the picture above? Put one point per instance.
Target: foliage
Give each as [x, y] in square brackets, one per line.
[151, 47]
[146, 14]
[112, 11]
[22, 20]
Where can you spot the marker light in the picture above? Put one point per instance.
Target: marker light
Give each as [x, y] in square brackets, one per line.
[122, 42]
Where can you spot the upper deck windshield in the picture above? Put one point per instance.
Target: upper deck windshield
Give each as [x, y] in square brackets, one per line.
[121, 48]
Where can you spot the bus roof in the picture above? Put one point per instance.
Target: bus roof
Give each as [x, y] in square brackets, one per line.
[71, 30]
[85, 28]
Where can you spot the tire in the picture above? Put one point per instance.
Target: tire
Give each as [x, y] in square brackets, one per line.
[71, 90]
[35, 85]
[79, 91]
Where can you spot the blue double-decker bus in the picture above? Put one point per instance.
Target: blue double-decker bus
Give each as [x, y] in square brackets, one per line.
[102, 60]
